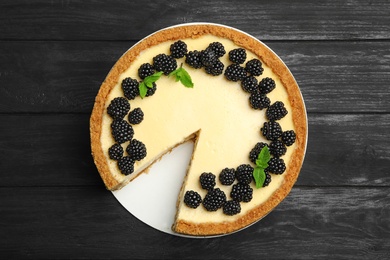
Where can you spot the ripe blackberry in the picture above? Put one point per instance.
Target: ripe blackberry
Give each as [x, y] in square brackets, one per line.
[214, 199]
[130, 88]
[271, 130]
[259, 101]
[118, 108]
[254, 67]
[276, 111]
[193, 59]
[241, 192]
[250, 84]
[227, 176]
[145, 70]
[215, 69]
[207, 180]
[235, 72]
[254, 153]
[288, 137]
[208, 57]
[152, 90]
[164, 63]
[244, 173]
[136, 150]
[218, 49]
[237, 56]
[126, 165]
[277, 148]
[178, 49]
[115, 152]
[192, 199]
[276, 165]
[231, 207]
[122, 131]
[266, 85]
[267, 180]
[136, 116]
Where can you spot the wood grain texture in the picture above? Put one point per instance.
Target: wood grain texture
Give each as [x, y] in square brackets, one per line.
[281, 20]
[65, 76]
[87, 222]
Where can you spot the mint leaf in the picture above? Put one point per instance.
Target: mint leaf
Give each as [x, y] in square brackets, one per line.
[142, 89]
[148, 83]
[259, 176]
[183, 76]
[261, 164]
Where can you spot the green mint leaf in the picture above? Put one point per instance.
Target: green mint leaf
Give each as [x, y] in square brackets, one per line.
[142, 89]
[183, 76]
[263, 158]
[259, 176]
[149, 80]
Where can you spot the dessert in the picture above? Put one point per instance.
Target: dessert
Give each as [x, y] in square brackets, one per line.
[239, 104]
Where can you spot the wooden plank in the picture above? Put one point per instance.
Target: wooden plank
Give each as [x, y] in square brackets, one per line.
[87, 222]
[52, 150]
[132, 20]
[65, 76]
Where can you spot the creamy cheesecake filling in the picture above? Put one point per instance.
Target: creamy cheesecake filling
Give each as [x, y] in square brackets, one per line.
[219, 109]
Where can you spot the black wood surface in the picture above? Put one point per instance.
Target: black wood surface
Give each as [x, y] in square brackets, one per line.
[54, 56]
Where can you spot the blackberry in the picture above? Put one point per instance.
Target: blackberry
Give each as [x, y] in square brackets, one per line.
[235, 72]
[136, 150]
[207, 180]
[122, 131]
[178, 49]
[193, 59]
[208, 57]
[254, 67]
[192, 199]
[267, 180]
[276, 111]
[227, 176]
[152, 90]
[271, 130]
[218, 49]
[145, 70]
[259, 101]
[244, 173]
[276, 165]
[237, 56]
[288, 137]
[126, 165]
[231, 207]
[130, 88]
[164, 63]
[215, 69]
[241, 192]
[254, 153]
[115, 152]
[266, 85]
[277, 148]
[250, 84]
[118, 108]
[136, 116]
[214, 199]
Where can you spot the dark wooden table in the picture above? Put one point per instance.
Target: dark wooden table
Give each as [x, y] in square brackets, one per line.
[54, 56]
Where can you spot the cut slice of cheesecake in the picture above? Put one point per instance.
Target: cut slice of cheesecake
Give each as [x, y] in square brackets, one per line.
[215, 113]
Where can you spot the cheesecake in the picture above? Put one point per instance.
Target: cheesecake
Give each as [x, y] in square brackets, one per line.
[225, 91]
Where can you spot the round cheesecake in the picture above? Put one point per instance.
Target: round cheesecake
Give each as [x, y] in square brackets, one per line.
[215, 111]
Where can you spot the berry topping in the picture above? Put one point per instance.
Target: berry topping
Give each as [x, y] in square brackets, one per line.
[277, 148]
[214, 199]
[126, 165]
[254, 67]
[235, 72]
[288, 137]
[118, 108]
[237, 55]
[115, 152]
[250, 84]
[244, 173]
[271, 130]
[218, 49]
[227, 176]
[136, 116]
[164, 63]
[241, 192]
[145, 70]
[215, 69]
[231, 207]
[254, 153]
[267, 180]
[192, 199]
[130, 88]
[152, 90]
[122, 131]
[208, 57]
[266, 85]
[276, 111]
[193, 59]
[258, 100]
[136, 150]
[207, 180]
[178, 49]
[276, 165]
